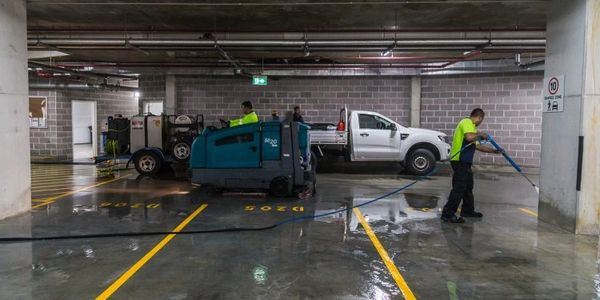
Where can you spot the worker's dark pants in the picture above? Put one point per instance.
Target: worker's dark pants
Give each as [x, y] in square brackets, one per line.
[462, 189]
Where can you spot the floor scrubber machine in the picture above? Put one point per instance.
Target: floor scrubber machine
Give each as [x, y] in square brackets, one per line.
[273, 156]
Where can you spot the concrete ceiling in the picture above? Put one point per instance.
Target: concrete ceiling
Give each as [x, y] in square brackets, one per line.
[80, 28]
[277, 15]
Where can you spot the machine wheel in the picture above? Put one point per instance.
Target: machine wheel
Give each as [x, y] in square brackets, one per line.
[420, 162]
[181, 150]
[280, 187]
[147, 163]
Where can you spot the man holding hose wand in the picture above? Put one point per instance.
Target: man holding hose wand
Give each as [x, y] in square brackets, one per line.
[466, 136]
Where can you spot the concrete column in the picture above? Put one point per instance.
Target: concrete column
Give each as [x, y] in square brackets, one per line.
[415, 101]
[15, 183]
[573, 50]
[170, 96]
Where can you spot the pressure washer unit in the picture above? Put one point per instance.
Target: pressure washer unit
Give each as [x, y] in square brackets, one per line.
[271, 155]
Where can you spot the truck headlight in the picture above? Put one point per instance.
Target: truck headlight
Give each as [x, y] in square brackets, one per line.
[444, 138]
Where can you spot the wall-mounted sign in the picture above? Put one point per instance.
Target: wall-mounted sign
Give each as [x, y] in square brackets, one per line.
[554, 87]
[38, 112]
[259, 80]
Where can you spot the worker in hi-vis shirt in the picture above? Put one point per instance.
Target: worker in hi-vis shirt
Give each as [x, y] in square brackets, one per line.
[249, 116]
[465, 134]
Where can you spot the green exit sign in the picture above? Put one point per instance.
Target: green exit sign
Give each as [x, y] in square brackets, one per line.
[259, 80]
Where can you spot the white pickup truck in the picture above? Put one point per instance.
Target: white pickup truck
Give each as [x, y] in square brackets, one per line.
[369, 136]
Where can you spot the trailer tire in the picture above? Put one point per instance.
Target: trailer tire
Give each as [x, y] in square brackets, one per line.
[182, 149]
[147, 163]
[420, 162]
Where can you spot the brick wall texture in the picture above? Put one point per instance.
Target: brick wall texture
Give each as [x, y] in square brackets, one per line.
[512, 103]
[56, 140]
[319, 98]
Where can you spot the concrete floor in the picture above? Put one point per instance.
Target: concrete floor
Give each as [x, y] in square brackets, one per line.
[507, 255]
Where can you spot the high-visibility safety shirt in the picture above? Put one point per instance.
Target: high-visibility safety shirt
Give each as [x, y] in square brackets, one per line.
[246, 119]
[465, 126]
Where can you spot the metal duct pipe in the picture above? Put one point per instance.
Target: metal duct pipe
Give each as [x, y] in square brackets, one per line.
[276, 43]
[82, 86]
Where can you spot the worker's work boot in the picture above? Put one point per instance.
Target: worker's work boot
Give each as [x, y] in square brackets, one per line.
[452, 219]
[472, 214]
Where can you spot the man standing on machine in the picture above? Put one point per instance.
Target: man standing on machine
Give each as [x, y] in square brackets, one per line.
[249, 116]
[466, 136]
[297, 115]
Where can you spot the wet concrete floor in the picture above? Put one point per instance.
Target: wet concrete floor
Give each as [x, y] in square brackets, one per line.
[506, 255]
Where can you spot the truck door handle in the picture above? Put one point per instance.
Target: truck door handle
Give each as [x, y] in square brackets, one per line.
[364, 134]
[253, 148]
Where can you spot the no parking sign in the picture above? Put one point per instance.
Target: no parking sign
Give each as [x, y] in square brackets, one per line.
[553, 93]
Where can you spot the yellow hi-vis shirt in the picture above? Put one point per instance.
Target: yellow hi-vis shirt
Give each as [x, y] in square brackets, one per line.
[466, 125]
[246, 119]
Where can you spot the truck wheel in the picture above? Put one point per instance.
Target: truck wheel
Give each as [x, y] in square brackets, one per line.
[181, 150]
[420, 162]
[280, 187]
[147, 163]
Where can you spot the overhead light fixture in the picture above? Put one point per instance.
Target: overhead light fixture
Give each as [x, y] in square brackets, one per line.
[306, 51]
[389, 50]
[468, 52]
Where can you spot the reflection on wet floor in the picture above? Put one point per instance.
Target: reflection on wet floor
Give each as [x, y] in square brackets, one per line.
[50, 180]
[505, 255]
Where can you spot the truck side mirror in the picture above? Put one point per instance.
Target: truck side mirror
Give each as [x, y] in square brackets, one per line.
[393, 127]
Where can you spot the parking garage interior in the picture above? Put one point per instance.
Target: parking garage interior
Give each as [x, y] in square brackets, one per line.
[128, 175]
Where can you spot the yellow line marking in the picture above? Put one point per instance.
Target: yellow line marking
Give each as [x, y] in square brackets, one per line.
[38, 200]
[529, 212]
[54, 198]
[55, 190]
[58, 187]
[140, 263]
[389, 263]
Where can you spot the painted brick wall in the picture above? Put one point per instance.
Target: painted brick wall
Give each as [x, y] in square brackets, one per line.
[319, 98]
[56, 140]
[511, 101]
[43, 141]
[152, 88]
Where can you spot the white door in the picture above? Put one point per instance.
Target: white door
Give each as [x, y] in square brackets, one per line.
[375, 139]
[84, 131]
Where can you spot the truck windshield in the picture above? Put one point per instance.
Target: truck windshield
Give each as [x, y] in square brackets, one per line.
[373, 122]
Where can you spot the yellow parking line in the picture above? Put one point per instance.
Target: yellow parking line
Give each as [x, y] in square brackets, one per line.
[140, 263]
[60, 187]
[53, 179]
[389, 263]
[38, 200]
[52, 191]
[529, 212]
[54, 198]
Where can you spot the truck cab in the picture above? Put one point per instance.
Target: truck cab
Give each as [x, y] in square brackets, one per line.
[370, 136]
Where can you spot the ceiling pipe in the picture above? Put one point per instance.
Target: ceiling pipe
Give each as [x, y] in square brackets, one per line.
[82, 86]
[93, 75]
[275, 4]
[128, 30]
[275, 43]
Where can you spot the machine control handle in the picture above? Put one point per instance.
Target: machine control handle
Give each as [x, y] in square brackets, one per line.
[364, 134]
[253, 148]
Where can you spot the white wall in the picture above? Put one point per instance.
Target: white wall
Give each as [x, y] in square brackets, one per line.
[82, 119]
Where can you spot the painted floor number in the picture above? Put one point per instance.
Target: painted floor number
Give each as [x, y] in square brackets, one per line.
[275, 208]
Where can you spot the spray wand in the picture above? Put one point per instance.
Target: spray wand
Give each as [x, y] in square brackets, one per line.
[512, 162]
